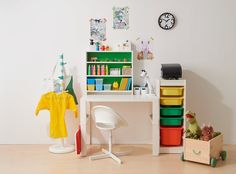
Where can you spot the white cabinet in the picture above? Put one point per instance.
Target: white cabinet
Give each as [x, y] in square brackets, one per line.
[172, 95]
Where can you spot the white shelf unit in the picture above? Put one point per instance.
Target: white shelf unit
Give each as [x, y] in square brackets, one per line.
[173, 83]
[112, 59]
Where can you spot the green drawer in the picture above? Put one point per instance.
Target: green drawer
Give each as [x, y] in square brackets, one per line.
[171, 111]
[168, 121]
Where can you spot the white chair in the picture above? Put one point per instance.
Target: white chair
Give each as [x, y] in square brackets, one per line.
[107, 119]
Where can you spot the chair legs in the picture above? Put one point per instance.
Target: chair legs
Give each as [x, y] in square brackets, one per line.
[109, 153]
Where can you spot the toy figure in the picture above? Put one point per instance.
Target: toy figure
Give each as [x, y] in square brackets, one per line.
[193, 131]
[207, 133]
[115, 85]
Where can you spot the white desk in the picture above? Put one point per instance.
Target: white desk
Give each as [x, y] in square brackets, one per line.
[85, 116]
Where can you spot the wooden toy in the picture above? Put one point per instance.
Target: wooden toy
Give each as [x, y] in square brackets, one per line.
[206, 152]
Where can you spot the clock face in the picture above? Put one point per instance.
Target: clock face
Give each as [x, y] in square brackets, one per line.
[166, 21]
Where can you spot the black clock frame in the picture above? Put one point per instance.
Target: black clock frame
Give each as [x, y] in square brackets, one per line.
[166, 13]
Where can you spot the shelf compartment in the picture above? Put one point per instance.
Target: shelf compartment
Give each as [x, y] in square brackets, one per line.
[110, 62]
[112, 80]
[172, 91]
[171, 101]
[171, 136]
[171, 111]
[110, 56]
[109, 76]
[168, 121]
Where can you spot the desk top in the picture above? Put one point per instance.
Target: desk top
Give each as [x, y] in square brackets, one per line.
[120, 98]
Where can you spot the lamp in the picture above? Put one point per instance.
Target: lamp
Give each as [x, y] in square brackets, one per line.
[144, 75]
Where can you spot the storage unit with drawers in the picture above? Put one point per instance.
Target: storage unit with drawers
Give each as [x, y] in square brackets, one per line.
[172, 121]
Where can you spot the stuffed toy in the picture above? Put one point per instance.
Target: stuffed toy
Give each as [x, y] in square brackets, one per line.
[193, 131]
[207, 133]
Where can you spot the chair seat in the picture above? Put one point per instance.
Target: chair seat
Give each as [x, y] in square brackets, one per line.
[105, 126]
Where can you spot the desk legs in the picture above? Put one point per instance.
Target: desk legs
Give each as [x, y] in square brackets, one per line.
[83, 126]
[155, 128]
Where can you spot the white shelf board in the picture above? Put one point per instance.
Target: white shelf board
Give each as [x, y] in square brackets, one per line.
[171, 149]
[122, 51]
[106, 62]
[109, 91]
[109, 75]
[179, 82]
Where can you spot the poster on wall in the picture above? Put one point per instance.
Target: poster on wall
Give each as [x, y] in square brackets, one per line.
[98, 29]
[121, 17]
[145, 48]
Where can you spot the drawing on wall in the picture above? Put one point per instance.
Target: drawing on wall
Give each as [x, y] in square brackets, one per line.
[145, 48]
[120, 17]
[98, 29]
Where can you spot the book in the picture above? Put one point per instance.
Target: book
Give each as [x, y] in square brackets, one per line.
[128, 84]
[123, 83]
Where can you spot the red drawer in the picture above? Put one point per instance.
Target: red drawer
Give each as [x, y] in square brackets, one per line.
[171, 136]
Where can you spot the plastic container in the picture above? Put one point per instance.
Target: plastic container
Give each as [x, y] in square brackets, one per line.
[171, 101]
[171, 136]
[91, 87]
[144, 90]
[172, 91]
[99, 81]
[99, 87]
[171, 111]
[137, 90]
[107, 87]
[168, 121]
[90, 81]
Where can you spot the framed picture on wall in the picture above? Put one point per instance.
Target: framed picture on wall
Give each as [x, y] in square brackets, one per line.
[120, 17]
[98, 29]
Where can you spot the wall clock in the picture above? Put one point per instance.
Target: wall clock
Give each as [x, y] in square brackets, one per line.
[166, 21]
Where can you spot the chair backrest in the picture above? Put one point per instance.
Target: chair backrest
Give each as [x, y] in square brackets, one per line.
[106, 118]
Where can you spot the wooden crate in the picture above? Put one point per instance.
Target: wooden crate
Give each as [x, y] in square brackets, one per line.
[202, 151]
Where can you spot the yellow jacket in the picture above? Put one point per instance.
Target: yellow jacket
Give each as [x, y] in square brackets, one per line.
[57, 105]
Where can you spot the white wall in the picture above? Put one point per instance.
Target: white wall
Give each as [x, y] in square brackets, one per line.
[33, 34]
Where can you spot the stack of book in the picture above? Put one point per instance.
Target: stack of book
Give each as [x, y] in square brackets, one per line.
[125, 84]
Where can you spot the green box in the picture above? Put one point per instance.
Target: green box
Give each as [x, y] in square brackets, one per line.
[168, 121]
[171, 111]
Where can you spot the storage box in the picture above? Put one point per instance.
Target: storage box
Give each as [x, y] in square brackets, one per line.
[172, 91]
[126, 70]
[171, 111]
[168, 121]
[99, 87]
[90, 81]
[171, 101]
[114, 71]
[202, 151]
[107, 87]
[99, 81]
[90, 87]
[171, 136]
